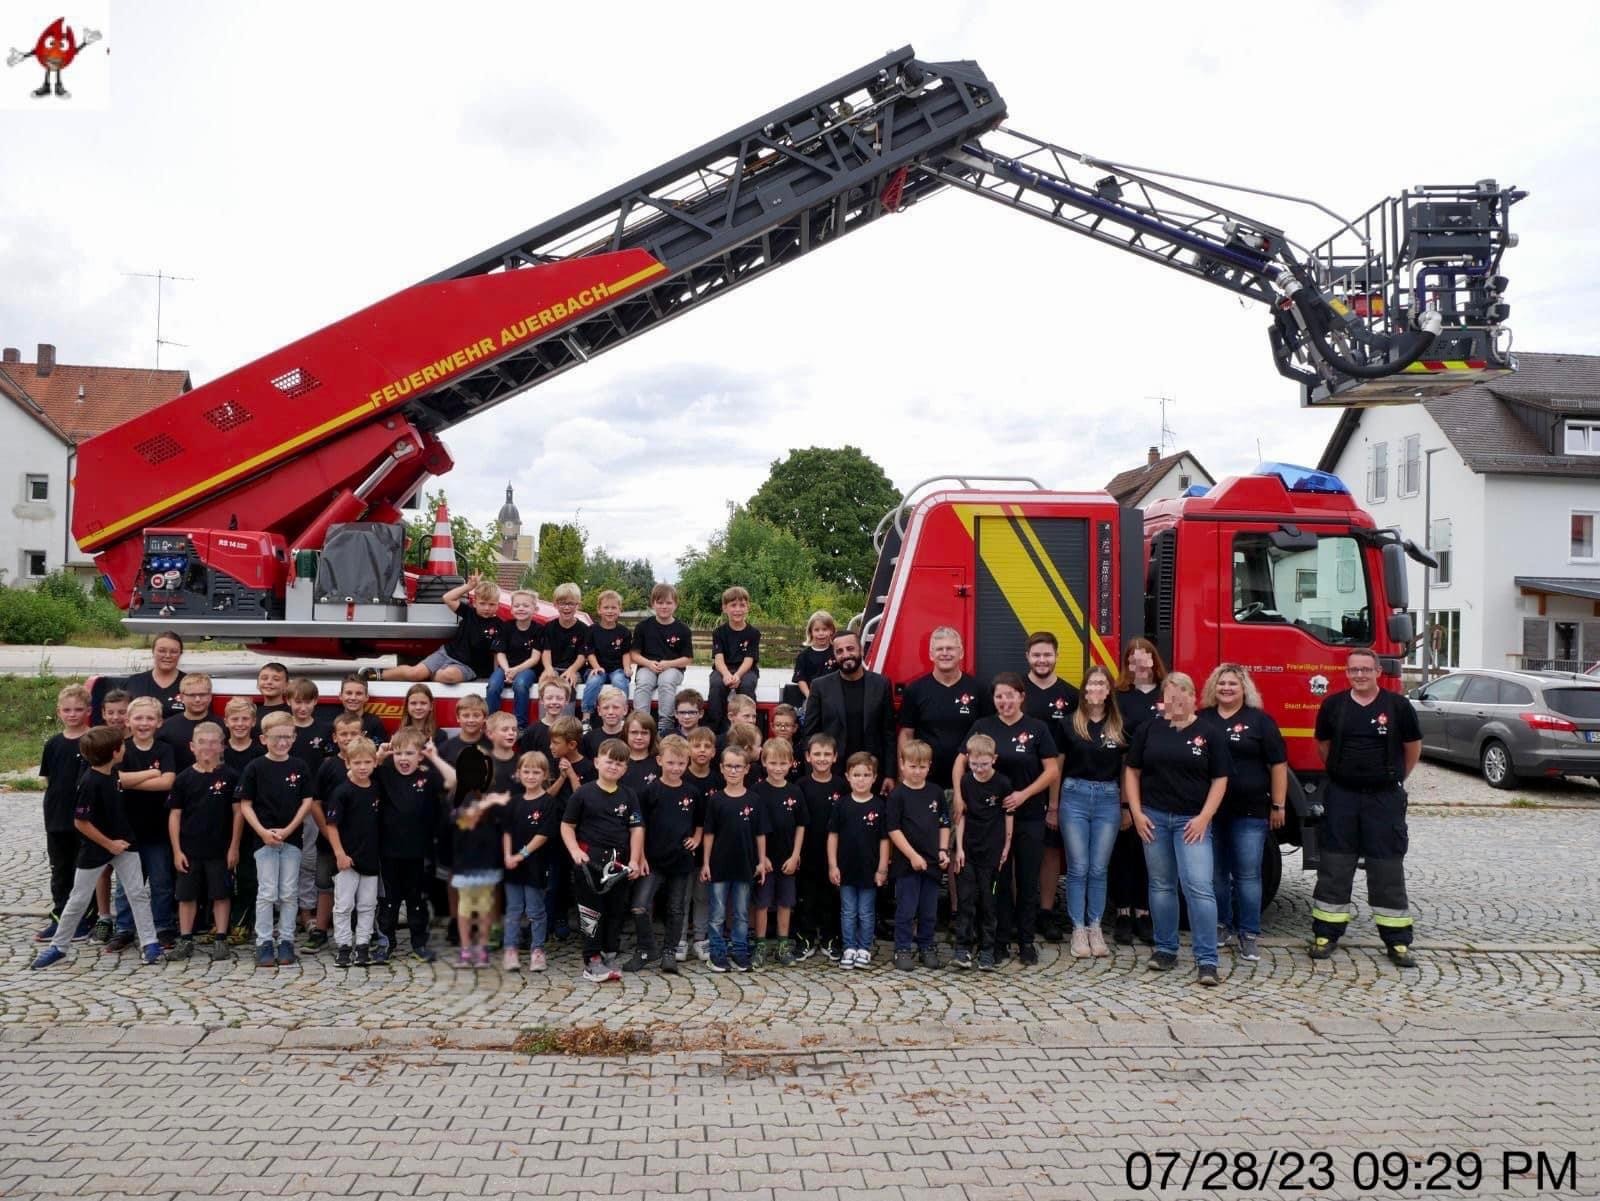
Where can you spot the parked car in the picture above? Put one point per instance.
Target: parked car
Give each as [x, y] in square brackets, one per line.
[1512, 724]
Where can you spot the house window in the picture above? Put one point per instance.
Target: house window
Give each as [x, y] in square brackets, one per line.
[36, 488]
[1410, 482]
[1582, 537]
[34, 566]
[1445, 636]
[1583, 437]
[1378, 472]
[1439, 545]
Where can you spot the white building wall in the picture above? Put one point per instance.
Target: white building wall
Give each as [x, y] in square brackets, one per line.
[1171, 484]
[29, 449]
[1527, 532]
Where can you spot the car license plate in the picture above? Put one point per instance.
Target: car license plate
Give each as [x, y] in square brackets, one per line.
[1591, 735]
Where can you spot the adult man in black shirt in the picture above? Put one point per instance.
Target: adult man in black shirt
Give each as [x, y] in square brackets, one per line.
[854, 706]
[940, 707]
[1370, 741]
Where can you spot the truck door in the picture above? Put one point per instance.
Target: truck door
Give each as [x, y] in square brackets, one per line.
[1033, 574]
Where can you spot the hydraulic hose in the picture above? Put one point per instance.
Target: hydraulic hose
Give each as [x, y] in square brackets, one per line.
[1416, 344]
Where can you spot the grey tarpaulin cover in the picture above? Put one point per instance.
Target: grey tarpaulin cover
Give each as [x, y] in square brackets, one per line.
[361, 561]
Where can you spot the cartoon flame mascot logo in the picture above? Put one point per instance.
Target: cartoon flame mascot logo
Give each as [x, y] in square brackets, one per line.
[55, 51]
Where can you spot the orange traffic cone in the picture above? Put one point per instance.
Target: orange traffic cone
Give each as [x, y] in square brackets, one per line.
[441, 547]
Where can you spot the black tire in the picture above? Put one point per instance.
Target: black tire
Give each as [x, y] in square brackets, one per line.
[1494, 764]
[1271, 870]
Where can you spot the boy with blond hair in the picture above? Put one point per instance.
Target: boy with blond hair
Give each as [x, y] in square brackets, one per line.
[205, 825]
[785, 811]
[353, 824]
[662, 647]
[566, 639]
[554, 699]
[611, 707]
[918, 823]
[501, 729]
[735, 655]
[472, 720]
[470, 653]
[327, 776]
[177, 731]
[145, 776]
[61, 765]
[410, 802]
[983, 843]
[610, 655]
[518, 658]
[353, 696]
[275, 796]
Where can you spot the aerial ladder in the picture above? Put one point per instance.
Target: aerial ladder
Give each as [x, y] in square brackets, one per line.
[264, 505]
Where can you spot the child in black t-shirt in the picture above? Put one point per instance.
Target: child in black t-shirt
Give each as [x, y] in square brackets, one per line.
[858, 858]
[353, 813]
[673, 812]
[409, 803]
[639, 732]
[602, 828]
[611, 710]
[610, 651]
[983, 844]
[816, 657]
[353, 695]
[501, 729]
[146, 777]
[477, 862]
[107, 837]
[470, 653]
[785, 810]
[177, 731]
[735, 655]
[518, 659]
[532, 819]
[662, 648]
[566, 639]
[817, 902]
[61, 764]
[918, 822]
[735, 854]
[328, 776]
[275, 794]
[205, 827]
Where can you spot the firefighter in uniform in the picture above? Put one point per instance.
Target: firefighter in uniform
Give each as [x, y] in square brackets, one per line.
[1370, 740]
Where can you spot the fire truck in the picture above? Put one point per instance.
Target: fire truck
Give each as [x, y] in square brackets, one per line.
[264, 506]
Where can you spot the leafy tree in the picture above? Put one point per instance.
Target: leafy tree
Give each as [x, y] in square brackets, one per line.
[779, 570]
[831, 499]
[632, 578]
[476, 547]
[560, 556]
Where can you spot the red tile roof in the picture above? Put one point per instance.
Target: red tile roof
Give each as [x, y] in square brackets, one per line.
[1130, 487]
[111, 395]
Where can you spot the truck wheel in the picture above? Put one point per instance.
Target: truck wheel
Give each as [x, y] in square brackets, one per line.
[1495, 762]
[1271, 871]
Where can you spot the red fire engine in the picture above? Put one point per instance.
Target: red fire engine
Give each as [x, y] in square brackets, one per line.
[263, 507]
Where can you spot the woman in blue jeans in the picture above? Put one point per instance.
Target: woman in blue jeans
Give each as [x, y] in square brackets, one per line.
[1091, 806]
[1254, 802]
[1176, 775]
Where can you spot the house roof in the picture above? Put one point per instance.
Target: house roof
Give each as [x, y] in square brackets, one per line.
[1481, 422]
[1130, 487]
[17, 395]
[1562, 586]
[111, 395]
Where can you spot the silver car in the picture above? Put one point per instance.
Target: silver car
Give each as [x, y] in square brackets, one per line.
[1512, 725]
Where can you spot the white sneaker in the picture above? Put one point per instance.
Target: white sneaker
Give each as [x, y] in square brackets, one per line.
[702, 951]
[683, 951]
[863, 956]
[847, 958]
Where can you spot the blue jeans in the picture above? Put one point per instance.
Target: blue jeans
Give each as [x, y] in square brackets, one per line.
[159, 873]
[598, 680]
[916, 908]
[522, 685]
[1091, 811]
[721, 896]
[1239, 843]
[1170, 862]
[525, 901]
[858, 916]
[277, 883]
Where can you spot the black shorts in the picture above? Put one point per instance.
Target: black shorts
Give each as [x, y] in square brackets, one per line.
[777, 891]
[212, 874]
[327, 868]
[1052, 839]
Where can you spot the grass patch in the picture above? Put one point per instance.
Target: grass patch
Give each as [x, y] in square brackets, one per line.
[1521, 802]
[23, 784]
[27, 718]
[581, 1040]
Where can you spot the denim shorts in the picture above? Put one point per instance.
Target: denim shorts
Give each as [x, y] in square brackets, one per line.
[440, 659]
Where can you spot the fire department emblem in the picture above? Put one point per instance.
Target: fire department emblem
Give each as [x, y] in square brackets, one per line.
[1319, 685]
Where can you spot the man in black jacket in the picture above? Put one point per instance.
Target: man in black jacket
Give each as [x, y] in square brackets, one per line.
[854, 706]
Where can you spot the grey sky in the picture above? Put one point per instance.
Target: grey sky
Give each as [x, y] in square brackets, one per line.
[301, 161]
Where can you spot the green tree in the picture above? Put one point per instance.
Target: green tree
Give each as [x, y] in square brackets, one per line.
[631, 578]
[779, 570]
[560, 556]
[476, 547]
[831, 499]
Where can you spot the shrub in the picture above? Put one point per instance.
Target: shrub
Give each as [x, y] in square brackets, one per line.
[36, 617]
[66, 588]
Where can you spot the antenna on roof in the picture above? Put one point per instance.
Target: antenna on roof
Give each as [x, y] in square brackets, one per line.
[1169, 440]
[160, 277]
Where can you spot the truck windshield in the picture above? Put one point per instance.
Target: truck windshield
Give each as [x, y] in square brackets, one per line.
[1324, 591]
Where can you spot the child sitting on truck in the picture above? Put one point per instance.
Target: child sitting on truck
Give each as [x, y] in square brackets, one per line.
[469, 655]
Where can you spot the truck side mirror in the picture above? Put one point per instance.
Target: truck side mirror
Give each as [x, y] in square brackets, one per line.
[1401, 629]
[1395, 586]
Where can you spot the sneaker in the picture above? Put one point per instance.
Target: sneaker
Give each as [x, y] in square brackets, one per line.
[1144, 929]
[1161, 961]
[803, 948]
[719, 963]
[1248, 949]
[101, 932]
[1002, 954]
[962, 958]
[743, 963]
[1321, 948]
[81, 934]
[46, 932]
[119, 942]
[536, 960]
[784, 955]
[682, 952]
[315, 941]
[904, 960]
[847, 958]
[1097, 943]
[380, 954]
[167, 939]
[424, 954]
[465, 958]
[1028, 955]
[286, 951]
[702, 950]
[152, 954]
[221, 950]
[638, 961]
[597, 972]
[341, 957]
[183, 949]
[832, 951]
[362, 957]
[986, 961]
[1080, 943]
[1401, 956]
[1122, 929]
[46, 957]
[266, 956]
[863, 956]
[930, 957]
[510, 961]
[1207, 975]
[1224, 937]
[669, 963]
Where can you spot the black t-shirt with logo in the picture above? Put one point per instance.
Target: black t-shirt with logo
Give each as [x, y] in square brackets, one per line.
[1176, 767]
[1096, 757]
[206, 801]
[1021, 751]
[519, 645]
[734, 822]
[1254, 746]
[536, 738]
[735, 646]
[100, 803]
[61, 764]
[275, 789]
[984, 829]
[240, 759]
[566, 644]
[821, 796]
[609, 645]
[144, 684]
[704, 785]
[1053, 705]
[919, 814]
[477, 639]
[313, 744]
[505, 772]
[146, 810]
[786, 810]
[942, 715]
[862, 832]
[408, 811]
[1138, 707]
[662, 641]
[811, 663]
[178, 732]
[603, 821]
[590, 742]
[641, 774]
[672, 813]
[355, 810]
[526, 817]
[1369, 740]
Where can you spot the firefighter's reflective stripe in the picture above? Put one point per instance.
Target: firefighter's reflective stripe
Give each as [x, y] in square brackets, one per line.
[1391, 917]
[1323, 914]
